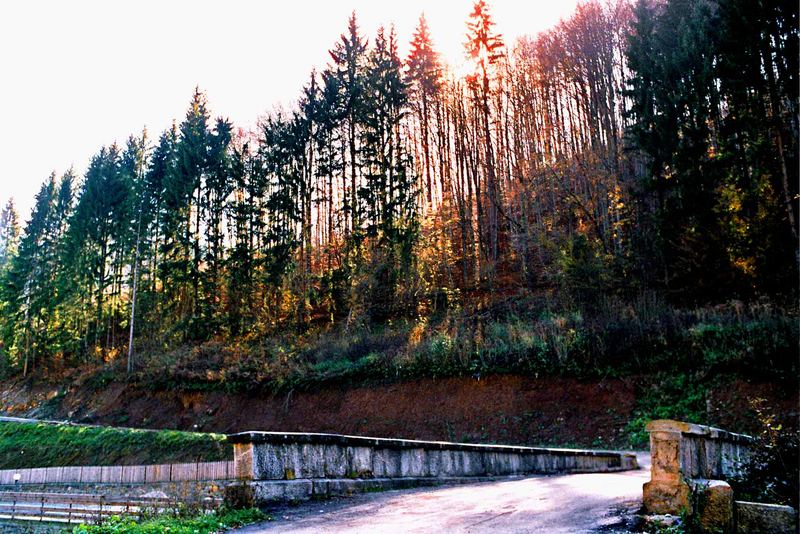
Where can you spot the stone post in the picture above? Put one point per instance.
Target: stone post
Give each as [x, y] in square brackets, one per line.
[667, 492]
[243, 461]
[715, 505]
[689, 466]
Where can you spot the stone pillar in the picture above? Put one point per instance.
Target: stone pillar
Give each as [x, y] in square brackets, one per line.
[243, 461]
[667, 492]
[715, 503]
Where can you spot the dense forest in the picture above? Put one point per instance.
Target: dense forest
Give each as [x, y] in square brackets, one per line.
[579, 194]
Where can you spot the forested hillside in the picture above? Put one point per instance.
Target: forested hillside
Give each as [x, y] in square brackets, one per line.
[617, 195]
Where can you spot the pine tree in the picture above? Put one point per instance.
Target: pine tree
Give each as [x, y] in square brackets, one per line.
[329, 158]
[23, 291]
[698, 103]
[100, 235]
[282, 152]
[134, 164]
[9, 233]
[183, 213]
[218, 188]
[349, 60]
[424, 81]
[57, 336]
[757, 67]
[158, 175]
[241, 283]
[9, 246]
[388, 193]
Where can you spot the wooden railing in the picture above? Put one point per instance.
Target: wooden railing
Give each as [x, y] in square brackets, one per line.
[119, 474]
[82, 508]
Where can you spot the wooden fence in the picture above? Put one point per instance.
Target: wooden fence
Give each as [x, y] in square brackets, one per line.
[120, 474]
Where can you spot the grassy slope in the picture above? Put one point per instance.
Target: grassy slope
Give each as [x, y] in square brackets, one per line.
[519, 337]
[47, 445]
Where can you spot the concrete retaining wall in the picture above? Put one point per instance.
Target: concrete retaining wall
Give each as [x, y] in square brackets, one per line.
[187, 492]
[288, 456]
[265, 491]
[120, 474]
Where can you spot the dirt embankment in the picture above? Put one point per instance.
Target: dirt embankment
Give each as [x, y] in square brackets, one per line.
[502, 409]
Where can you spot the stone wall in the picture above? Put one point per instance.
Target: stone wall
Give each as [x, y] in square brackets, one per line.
[188, 492]
[684, 453]
[691, 465]
[262, 456]
[765, 518]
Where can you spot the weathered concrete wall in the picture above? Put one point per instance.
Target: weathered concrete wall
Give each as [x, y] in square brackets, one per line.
[682, 452]
[120, 474]
[288, 456]
[265, 491]
[186, 491]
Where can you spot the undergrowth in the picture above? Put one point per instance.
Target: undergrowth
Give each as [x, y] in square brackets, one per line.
[518, 336]
[667, 396]
[770, 473]
[199, 524]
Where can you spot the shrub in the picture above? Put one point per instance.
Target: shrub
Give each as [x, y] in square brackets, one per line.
[770, 474]
[668, 396]
[200, 524]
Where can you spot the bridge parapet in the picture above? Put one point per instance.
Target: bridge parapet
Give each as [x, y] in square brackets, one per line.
[291, 455]
[684, 453]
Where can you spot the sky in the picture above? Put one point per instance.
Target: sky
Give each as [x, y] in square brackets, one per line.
[77, 75]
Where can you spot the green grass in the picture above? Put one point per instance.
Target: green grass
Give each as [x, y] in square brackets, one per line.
[49, 445]
[201, 524]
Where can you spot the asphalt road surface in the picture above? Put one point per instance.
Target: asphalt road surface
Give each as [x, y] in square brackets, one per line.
[553, 504]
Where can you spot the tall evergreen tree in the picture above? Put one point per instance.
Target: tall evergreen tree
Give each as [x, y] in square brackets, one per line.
[218, 187]
[9, 233]
[101, 236]
[388, 194]
[424, 80]
[26, 281]
[183, 214]
[349, 57]
[134, 163]
[241, 261]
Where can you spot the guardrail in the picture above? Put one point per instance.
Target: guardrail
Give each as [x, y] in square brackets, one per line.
[81, 508]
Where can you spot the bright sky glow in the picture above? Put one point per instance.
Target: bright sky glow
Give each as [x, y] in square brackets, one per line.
[77, 75]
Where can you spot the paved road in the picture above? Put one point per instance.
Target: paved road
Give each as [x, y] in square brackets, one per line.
[556, 504]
